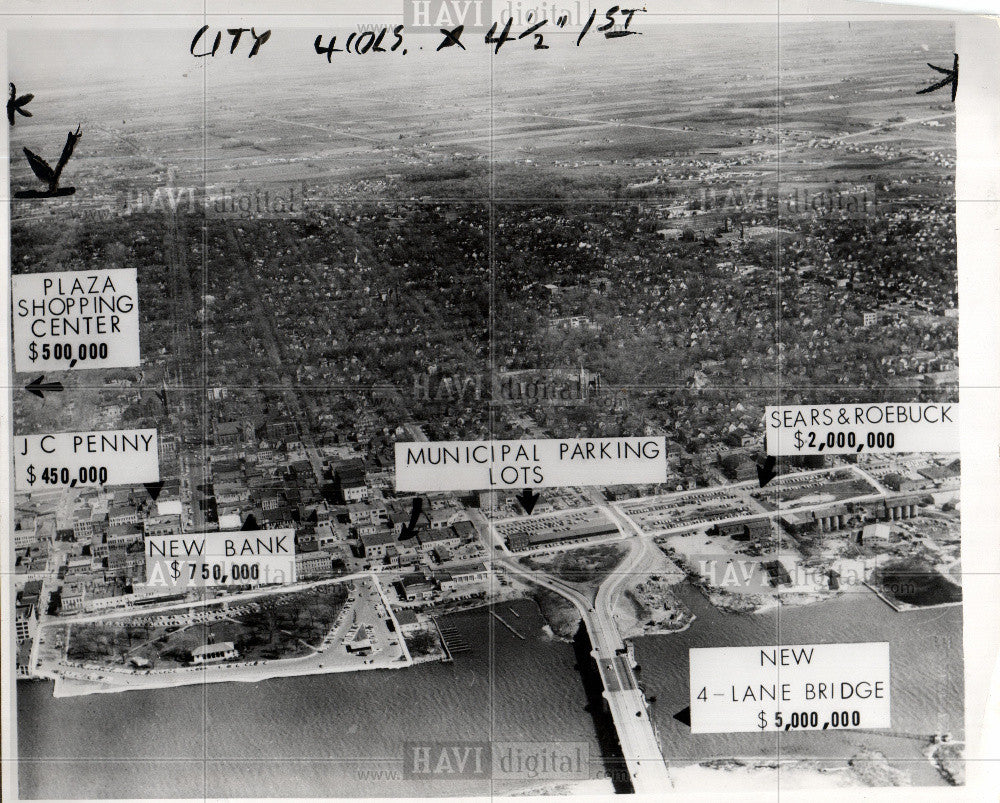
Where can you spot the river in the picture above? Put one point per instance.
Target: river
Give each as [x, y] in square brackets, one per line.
[926, 677]
[342, 735]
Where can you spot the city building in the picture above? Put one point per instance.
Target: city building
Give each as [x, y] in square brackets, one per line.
[466, 574]
[361, 643]
[431, 539]
[407, 621]
[71, 597]
[374, 545]
[350, 480]
[317, 563]
[745, 529]
[122, 514]
[416, 586]
[162, 525]
[777, 574]
[876, 535]
[23, 659]
[223, 651]
[25, 622]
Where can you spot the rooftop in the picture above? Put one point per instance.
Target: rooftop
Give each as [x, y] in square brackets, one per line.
[222, 646]
[406, 617]
[378, 538]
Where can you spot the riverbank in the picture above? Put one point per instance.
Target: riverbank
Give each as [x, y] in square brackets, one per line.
[108, 680]
[948, 758]
[80, 679]
[737, 775]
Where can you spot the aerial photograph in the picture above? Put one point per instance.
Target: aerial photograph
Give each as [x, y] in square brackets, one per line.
[349, 236]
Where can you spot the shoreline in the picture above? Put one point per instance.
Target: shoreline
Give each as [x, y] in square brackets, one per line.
[80, 687]
[814, 598]
[66, 686]
[903, 607]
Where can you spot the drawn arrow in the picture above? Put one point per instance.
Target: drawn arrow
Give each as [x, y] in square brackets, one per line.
[766, 472]
[684, 716]
[153, 489]
[17, 104]
[528, 500]
[37, 386]
[951, 77]
[250, 523]
[410, 530]
[48, 175]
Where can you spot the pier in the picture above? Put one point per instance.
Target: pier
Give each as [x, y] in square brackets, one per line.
[878, 593]
[507, 624]
[454, 643]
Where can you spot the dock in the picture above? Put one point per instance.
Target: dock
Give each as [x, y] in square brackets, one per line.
[878, 593]
[454, 643]
[508, 625]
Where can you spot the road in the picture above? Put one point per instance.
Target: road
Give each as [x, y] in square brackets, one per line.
[883, 127]
[295, 397]
[878, 493]
[234, 598]
[626, 700]
[189, 374]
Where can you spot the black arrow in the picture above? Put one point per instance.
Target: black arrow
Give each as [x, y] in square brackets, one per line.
[37, 386]
[49, 175]
[250, 523]
[766, 472]
[951, 77]
[684, 716]
[17, 104]
[528, 500]
[410, 530]
[153, 489]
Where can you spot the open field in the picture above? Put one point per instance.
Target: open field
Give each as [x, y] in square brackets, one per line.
[795, 491]
[587, 566]
[270, 627]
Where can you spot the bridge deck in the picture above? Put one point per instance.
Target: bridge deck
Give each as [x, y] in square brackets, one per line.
[627, 704]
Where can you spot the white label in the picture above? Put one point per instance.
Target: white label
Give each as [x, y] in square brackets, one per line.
[790, 687]
[853, 428]
[258, 557]
[74, 459]
[481, 465]
[76, 320]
